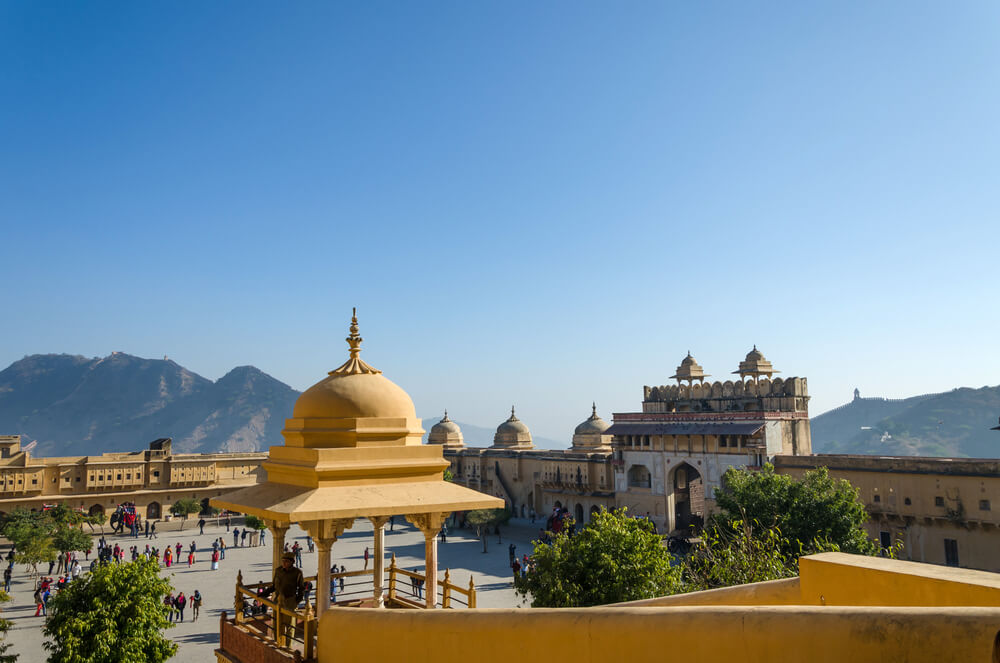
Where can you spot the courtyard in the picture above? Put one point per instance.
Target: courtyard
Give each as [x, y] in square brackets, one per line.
[462, 554]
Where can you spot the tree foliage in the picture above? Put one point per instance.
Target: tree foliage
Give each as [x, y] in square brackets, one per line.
[184, 507]
[253, 522]
[39, 536]
[811, 514]
[615, 558]
[113, 615]
[735, 553]
[4, 627]
[483, 520]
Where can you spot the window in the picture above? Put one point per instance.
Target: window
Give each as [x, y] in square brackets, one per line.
[34, 482]
[722, 441]
[885, 539]
[78, 479]
[878, 498]
[119, 477]
[951, 552]
[938, 501]
[907, 502]
[156, 473]
[984, 505]
[67, 479]
[138, 475]
[128, 476]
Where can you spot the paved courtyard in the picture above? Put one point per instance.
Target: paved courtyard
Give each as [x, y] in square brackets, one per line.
[462, 554]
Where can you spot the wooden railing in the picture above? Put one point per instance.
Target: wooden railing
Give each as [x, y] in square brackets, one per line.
[257, 611]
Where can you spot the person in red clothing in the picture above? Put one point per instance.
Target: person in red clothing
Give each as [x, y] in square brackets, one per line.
[190, 559]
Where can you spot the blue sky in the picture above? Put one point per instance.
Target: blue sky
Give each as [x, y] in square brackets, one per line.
[534, 203]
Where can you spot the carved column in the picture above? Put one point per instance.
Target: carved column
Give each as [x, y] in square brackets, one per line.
[278, 531]
[378, 568]
[324, 533]
[430, 525]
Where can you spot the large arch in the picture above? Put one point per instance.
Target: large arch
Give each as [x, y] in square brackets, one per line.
[593, 510]
[96, 509]
[579, 513]
[153, 511]
[689, 497]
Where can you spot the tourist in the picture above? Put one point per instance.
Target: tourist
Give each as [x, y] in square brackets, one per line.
[178, 547]
[236, 536]
[366, 558]
[39, 604]
[168, 603]
[201, 526]
[190, 558]
[310, 544]
[243, 537]
[152, 531]
[215, 560]
[180, 602]
[512, 552]
[195, 605]
[222, 548]
[6, 579]
[496, 531]
[167, 557]
[297, 551]
[289, 587]
[261, 539]
[227, 522]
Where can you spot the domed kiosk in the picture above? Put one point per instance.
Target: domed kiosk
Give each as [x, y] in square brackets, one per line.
[755, 366]
[446, 433]
[512, 434]
[353, 450]
[592, 435]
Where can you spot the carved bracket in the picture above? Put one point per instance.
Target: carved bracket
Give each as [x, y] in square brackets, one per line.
[428, 523]
[327, 530]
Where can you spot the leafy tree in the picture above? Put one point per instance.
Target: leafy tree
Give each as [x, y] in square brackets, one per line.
[736, 553]
[449, 475]
[113, 615]
[615, 558]
[483, 520]
[816, 508]
[100, 519]
[38, 536]
[4, 627]
[253, 522]
[184, 507]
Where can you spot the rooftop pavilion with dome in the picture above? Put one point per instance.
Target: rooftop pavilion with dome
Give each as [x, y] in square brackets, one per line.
[353, 450]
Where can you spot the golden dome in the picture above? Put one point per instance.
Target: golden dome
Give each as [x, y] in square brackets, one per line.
[354, 390]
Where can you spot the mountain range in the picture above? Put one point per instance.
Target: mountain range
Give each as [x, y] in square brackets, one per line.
[76, 406]
[954, 423]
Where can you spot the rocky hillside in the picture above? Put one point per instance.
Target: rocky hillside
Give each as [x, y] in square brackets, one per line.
[953, 424]
[73, 405]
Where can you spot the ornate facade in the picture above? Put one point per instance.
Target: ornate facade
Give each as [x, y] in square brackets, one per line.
[664, 461]
[152, 479]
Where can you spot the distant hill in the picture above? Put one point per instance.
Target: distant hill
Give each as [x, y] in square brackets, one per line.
[73, 405]
[78, 406]
[953, 424]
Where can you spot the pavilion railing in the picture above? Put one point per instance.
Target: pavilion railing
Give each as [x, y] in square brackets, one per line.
[295, 630]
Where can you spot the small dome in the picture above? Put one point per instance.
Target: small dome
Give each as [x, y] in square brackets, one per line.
[512, 433]
[446, 432]
[594, 425]
[755, 355]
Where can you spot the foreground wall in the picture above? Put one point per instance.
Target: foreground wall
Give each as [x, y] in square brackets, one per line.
[703, 633]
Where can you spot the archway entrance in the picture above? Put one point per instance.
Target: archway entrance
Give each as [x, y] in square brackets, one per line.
[96, 509]
[205, 508]
[579, 514]
[689, 498]
[153, 511]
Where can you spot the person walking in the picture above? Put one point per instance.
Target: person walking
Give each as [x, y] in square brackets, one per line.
[222, 548]
[227, 522]
[180, 602]
[289, 587]
[215, 560]
[6, 579]
[195, 605]
[236, 536]
[297, 549]
[178, 547]
[152, 530]
[201, 526]
[190, 559]
[366, 558]
[168, 603]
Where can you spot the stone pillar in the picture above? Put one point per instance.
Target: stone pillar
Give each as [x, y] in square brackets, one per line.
[278, 531]
[378, 566]
[430, 525]
[324, 533]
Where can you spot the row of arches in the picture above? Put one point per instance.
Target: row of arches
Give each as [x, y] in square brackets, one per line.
[727, 389]
[687, 488]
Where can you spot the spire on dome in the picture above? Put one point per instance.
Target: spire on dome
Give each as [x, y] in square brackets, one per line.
[354, 365]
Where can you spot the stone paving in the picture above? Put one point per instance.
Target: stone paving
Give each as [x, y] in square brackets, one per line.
[462, 553]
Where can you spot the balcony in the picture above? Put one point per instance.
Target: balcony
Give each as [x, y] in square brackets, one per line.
[262, 631]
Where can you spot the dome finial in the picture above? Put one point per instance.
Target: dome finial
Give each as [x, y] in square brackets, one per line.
[594, 408]
[445, 415]
[511, 411]
[354, 365]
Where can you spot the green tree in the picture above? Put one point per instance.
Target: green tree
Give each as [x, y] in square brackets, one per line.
[615, 558]
[816, 510]
[113, 615]
[184, 507]
[253, 522]
[4, 627]
[484, 520]
[449, 475]
[737, 553]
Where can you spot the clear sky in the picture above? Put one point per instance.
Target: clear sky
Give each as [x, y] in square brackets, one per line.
[540, 203]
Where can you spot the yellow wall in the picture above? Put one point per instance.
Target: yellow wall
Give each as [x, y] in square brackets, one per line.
[850, 608]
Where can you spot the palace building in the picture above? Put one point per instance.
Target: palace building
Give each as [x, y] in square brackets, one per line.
[664, 462]
[152, 479]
